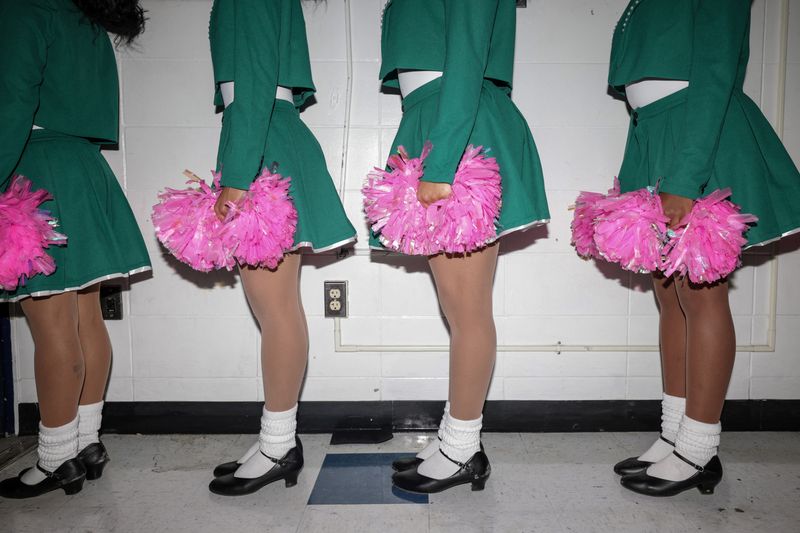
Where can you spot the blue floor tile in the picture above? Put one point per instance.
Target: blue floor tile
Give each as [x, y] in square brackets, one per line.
[359, 479]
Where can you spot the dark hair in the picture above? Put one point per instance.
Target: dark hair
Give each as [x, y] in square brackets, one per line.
[124, 18]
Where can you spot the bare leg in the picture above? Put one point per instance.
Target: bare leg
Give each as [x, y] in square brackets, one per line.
[95, 344]
[58, 356]
[274, 297]
[711, 348]
[672, 336]
[464, 286]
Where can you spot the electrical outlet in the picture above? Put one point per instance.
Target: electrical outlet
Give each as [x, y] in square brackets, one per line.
[522, 3]
[336, 299]
[111, 302]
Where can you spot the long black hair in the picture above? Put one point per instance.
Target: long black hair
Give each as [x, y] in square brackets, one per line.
[124, 18]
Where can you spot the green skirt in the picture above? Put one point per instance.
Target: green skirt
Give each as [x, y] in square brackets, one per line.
[292, 151]
[104, 240]
[750, 159]
[503, 132]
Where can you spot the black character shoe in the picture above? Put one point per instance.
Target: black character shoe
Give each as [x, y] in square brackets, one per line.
[406, 463]
[95, 458]
[69, 476]
[475, 471]
[226, 468]
[286, 468]
[633, 465]
[706, 478]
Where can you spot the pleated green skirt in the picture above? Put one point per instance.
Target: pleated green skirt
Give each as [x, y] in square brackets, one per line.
[104, 240]
[750, 159]
[503, 132]
[292, 151]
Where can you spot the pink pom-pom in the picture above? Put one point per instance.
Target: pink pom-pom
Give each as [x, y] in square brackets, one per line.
[631, 230]
[587, 212]
[25, 232]
[260, 227]
[707, 246]
[461, 223]
[187, 226]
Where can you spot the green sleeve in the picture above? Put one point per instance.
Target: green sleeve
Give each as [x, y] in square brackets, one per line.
[468, 29]
[246, 120]
[23, 39]
[720, 30]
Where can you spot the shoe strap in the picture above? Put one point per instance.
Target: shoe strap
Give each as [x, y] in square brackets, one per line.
[688, 462]
[279, 462]
[51, 475]
[662, 437]
[460, 465]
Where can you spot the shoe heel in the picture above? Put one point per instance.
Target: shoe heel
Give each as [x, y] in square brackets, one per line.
[706, 488]
[291, 479]
[74, 487]
[478, 484]
[94, 471]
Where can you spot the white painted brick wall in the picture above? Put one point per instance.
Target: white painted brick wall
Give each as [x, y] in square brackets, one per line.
[189, 336]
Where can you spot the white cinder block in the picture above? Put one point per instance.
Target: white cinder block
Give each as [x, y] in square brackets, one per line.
[739, 387]
[785, 360]
[330, 140]
[565, 388]
[157, 157]
[391, 107]
[742, 284]
[414, 389]
[341, 389]
[538, 364]
[562, 284]
[775, 388]
[324, 43]
[788, 289]
[541, 35]
[164, 39]
[365, 17]
[581, 98]
[196, 389]
[641, 296]
[345, 365]
[120, 390]
[26, 391]
[366, 95]
[219, 347]
[355, 213]
[415, 365]
[569, 330]
[643, 330]
[168, 93]
[22, 343]
[407, 287]
[644, 388]
[363, 156]
[119, 331]
[361, 330]
[415, 331]
[330, 78]
[644, 364]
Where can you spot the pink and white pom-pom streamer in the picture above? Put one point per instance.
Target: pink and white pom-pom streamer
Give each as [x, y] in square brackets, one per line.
[258, 230]
[585, 215]
[707, 245]
[631, 229]
[260, 227]
[187, 226]
[462, 223]
[25, 233]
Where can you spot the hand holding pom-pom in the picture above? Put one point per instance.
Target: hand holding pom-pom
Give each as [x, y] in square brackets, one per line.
[421, 218]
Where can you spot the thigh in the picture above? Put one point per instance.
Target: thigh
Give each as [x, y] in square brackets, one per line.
[51, 315]
[465, 278]
[267, 288]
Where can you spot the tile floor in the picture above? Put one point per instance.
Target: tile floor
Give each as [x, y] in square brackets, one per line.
[540, 483]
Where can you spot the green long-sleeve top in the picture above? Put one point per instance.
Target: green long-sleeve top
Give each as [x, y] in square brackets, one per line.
[703, 41]
[258, 45]
[468, 41]
[57, 71]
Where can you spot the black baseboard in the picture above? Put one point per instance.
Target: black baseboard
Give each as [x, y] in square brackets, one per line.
[499, 416]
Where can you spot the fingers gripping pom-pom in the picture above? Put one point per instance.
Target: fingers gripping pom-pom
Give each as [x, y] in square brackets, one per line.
[462, 223]
[260, 228]
[187, 226]
[707, 246]
[631, 230]
[25, 233]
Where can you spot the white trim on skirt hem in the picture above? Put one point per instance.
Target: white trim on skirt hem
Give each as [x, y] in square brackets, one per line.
[39, 294]
[523, 227]
[779, 237]
[324, 249]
